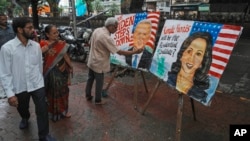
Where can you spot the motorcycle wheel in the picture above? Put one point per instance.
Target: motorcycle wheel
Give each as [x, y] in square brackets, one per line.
[72, 57]
[82, 58]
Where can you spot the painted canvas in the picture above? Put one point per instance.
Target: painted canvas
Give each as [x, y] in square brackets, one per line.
[136, 30]
[191, 56]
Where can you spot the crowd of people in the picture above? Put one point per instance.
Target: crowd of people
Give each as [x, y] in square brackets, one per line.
[42, 69]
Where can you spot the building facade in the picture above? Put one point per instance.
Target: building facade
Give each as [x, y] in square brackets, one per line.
[108, 4]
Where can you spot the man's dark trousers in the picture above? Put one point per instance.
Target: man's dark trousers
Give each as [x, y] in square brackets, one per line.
[41, 109]
[99, 77]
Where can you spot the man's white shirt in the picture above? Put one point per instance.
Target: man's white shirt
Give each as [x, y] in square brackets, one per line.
[21, 67]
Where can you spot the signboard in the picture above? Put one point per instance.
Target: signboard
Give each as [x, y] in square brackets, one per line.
[204, 7]
[182, 8]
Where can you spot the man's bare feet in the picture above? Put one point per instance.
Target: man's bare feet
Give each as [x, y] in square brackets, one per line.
[68, 115]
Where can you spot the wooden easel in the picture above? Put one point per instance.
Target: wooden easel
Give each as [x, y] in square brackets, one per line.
[179, 111]
[150, 97]
[135, 99]
[179, 116]
[136, 87]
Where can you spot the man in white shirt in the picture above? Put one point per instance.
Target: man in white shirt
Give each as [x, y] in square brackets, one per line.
[21, 76]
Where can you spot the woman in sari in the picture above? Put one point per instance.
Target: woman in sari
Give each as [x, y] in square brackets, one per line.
[57, 69]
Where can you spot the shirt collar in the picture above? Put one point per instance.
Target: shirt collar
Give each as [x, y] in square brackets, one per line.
[17, 42]
[106, 30]
[8, 26]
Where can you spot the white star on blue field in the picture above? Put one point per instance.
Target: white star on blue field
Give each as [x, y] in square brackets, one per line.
[138, 18]
[212, 28]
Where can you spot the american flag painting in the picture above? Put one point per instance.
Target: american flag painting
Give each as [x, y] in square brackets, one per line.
[224, 39]
[154, 18]
[124, 38]
[175, 58]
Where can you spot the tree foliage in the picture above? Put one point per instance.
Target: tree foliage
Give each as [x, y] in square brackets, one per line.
[54, 5]
[54, 8]
[89, 5]
[5, 7]
[114, 10]
[97, 6]
[18, 11]
[24, 4]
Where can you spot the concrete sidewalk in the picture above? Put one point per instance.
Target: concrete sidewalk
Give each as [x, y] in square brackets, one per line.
[119, 121]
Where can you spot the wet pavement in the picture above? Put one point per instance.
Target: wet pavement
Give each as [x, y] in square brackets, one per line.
[119, 121]
[236, 77]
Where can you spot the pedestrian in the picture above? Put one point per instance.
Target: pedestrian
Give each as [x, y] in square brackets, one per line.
[6, 33]
[102, 45]
[21, 76]
[57, 70]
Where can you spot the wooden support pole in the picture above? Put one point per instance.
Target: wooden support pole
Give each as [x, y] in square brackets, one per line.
[144, 82]
[179, 118]
[121, 72]
[135, 89]
[111, 80]
[150, 97]
[193, 109]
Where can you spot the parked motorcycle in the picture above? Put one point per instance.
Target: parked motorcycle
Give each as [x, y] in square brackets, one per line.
[76, 49]
[40, 31]
[85, 34]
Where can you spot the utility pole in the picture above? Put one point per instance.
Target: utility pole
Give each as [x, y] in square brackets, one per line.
[35, 18]
[170, 7]
[73, 16]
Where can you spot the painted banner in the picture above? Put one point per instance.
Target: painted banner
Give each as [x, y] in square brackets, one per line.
[191, 56]
[136, 30]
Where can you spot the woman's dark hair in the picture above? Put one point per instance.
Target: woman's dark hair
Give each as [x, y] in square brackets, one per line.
[48, 29]
[20, 23]
[201, 75]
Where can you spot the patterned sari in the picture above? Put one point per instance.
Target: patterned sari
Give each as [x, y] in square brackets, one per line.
[56, 76]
